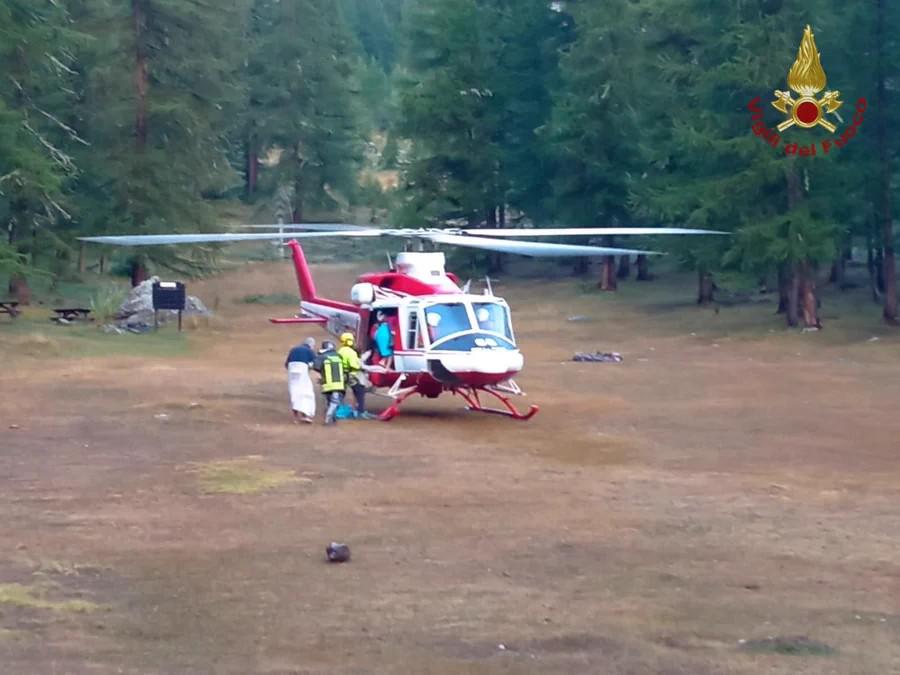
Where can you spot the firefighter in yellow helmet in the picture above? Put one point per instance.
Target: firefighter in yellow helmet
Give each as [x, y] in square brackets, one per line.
[334, 381]
[356, 377]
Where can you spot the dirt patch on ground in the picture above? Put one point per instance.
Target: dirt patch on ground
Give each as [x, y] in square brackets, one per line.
[657, 516]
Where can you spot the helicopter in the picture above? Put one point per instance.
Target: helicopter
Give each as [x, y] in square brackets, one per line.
[445, 339]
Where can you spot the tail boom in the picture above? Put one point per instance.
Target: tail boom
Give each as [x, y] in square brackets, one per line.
[308, 287]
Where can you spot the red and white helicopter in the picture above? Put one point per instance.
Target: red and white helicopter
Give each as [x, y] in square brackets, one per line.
[445, 339]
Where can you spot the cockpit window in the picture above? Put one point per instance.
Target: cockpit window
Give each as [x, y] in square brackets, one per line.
[447, 319]
[493, 318]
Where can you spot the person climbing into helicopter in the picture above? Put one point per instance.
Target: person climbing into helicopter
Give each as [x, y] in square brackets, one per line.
[356, 377]
[383, 340]
[330, 367]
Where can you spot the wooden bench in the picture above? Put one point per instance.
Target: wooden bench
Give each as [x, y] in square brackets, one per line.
[10, 307]
[71, 314]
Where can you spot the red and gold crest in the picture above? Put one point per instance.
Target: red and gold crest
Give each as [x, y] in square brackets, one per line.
[807, 78]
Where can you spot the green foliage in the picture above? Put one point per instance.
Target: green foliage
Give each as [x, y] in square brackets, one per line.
[12, 263]
[595, 123]
[36, 59]
[136, 116]
[474, 91]
[154, 153]
[372, 27]
[106, 300]
[704, 166]
[302, 98]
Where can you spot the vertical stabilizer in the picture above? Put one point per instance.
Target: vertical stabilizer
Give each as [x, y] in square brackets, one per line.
[304, 276]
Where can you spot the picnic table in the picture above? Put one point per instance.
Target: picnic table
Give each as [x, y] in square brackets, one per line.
[10, 307]
[71, 314]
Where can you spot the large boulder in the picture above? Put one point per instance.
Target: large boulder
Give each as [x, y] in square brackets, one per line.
[137, 309]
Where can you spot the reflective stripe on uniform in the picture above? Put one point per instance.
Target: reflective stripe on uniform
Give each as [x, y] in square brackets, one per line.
[333, 374]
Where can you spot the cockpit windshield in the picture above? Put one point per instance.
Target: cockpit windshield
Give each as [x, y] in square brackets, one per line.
[450, 319]
[446, 319]
[493, 318]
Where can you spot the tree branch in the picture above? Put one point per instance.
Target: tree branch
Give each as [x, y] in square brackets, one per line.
[58, 155]
[60, 64]
[65, 214]
[65, 127]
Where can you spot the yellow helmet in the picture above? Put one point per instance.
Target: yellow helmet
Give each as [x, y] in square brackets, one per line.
[347, 339]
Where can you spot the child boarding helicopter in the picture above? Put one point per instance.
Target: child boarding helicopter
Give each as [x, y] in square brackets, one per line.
[444, 338]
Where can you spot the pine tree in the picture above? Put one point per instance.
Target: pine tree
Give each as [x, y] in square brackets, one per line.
[159, 88]
[447, 108]
[368, 20]
[710, 171]
[525, 37]
[36, 46]
[475, 94]
[594, 127]
[303, 99]
[887, 23]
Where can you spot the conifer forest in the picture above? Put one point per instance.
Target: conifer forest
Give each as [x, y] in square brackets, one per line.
[137, 116]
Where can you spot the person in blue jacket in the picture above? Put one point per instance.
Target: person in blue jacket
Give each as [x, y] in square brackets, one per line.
[384, 341]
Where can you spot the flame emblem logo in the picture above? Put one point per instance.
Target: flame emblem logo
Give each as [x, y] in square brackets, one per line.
[807, 78]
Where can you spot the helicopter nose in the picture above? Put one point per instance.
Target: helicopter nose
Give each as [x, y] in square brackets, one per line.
[477, 369]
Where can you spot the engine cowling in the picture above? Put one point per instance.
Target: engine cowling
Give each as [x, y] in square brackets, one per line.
[362, 294]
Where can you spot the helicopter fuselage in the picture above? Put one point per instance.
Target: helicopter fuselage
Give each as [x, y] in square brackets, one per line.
[444, 339]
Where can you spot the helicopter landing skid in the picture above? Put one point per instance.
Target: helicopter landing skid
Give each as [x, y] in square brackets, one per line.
[472, 398]
[394, 409]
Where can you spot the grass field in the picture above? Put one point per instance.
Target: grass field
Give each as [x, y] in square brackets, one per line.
[723, 501]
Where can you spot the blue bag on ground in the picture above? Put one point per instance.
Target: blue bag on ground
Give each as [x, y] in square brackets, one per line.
[344, 412]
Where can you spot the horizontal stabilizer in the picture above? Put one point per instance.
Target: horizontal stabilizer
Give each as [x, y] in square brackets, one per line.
[298, 319]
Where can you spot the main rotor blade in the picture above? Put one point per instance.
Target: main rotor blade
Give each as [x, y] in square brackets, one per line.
[161, 239]
[326, 227]
[529, 248]
[584, 231]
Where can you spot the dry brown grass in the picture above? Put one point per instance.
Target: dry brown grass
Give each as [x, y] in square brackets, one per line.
[653, 516]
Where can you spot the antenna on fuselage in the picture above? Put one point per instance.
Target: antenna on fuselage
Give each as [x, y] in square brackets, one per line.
[487, 280]
[465, 289]
[390, 262]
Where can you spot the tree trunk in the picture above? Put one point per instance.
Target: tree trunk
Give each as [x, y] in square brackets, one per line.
[802, 282]
[873, 271]
[839, 270]
[879, 273]
[19, 289]
[705, 288]
[102, 263]
[138, 272]
[808, 300]
[784, 289]
[297, 206]
[252, 168]
[141, 78]
[624, 267]
[81, 260]
[643, 268]
[793, 300]
[495, 258]
[889, 271]
[18, 284]
[608, 274]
